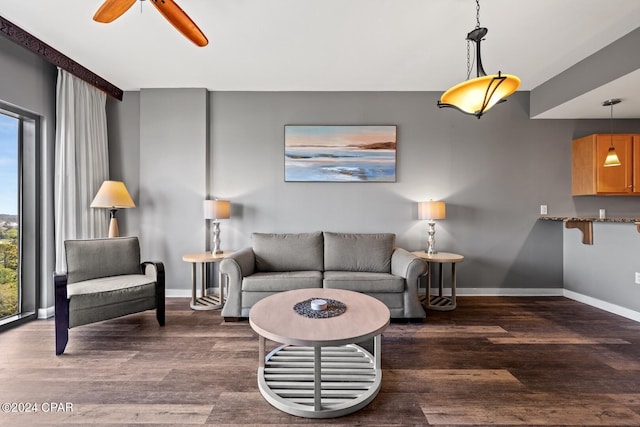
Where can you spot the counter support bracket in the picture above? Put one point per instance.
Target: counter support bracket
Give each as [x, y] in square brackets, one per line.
[587, 229]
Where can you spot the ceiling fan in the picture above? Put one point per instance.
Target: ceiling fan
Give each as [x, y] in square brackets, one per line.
[113, 9]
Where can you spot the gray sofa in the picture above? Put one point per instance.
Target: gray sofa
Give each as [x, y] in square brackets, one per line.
[367, 263]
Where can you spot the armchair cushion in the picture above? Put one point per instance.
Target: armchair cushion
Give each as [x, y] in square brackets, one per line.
[86, 258]
[109, 304]
[107, 284]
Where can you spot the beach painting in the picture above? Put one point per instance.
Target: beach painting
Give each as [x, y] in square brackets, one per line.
[340, 153]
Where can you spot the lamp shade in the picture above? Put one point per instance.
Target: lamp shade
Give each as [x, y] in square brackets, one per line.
[113, 195]
[217, 209]
[431, 210]
[475, 96]
[612, 158]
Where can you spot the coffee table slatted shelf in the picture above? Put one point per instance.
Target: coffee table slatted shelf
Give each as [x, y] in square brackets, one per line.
[348, 374]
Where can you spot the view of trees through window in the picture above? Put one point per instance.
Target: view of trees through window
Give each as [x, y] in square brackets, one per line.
[9, 268]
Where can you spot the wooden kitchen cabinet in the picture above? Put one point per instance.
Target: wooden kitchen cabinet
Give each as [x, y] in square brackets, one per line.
[590, 177]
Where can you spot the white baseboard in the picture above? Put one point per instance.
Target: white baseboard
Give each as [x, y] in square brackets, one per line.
[603, 305]
[178, 293]
[509, 292]
[46, 313]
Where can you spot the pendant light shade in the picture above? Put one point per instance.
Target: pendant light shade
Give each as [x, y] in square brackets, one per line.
[612, 158]
[475, 96]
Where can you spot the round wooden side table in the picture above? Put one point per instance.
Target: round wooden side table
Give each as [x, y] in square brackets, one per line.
[205, 301]
[441, 302]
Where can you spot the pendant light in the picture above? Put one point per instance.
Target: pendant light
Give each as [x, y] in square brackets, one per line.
[475, 96]
[612, 158]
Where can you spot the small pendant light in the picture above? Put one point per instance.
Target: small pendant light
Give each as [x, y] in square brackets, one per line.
[612, 158]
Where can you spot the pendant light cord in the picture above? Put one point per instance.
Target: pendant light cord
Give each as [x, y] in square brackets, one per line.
[611, 126]
[469, 43]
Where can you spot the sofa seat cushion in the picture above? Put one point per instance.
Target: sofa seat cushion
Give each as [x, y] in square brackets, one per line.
[363, 282]
[288, 252]
[358, 252]
[281, 281]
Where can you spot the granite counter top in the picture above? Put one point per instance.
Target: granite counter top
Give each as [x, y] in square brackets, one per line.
[589, 219]
[585, 224]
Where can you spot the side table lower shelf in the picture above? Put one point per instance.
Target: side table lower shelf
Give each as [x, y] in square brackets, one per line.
[207, 302]
[442, 303]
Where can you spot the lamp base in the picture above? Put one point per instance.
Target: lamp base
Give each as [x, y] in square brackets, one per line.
[431, 239]
[113, 228]
[216, 238]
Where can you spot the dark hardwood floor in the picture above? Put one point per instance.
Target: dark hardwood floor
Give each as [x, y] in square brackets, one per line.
[494, 361]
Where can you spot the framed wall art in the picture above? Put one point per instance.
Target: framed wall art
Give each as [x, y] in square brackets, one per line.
[340, 153]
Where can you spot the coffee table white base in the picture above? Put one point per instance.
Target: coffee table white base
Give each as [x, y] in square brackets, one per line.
[319, 372]
[320, 382]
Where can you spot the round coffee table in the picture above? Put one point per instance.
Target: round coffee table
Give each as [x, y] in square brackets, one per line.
[319, 372]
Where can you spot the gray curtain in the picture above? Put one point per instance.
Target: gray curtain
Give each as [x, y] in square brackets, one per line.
[81, 162]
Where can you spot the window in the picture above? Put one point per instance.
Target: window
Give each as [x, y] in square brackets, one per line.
[19, 215]
[9, 220]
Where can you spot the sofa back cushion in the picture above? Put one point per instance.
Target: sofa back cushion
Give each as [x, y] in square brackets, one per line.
[288, 252]
[358, 252]
[95, 258]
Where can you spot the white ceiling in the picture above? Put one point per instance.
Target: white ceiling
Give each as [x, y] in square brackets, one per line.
[340, 45]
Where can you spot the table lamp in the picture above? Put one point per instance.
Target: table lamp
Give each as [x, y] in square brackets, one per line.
[216, 210]
[113, 195]
[431, 211]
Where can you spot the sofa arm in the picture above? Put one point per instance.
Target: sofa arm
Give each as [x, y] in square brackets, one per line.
[412, 268]
[407, 265]
[236, 266]
[239, 264]
[155, 271]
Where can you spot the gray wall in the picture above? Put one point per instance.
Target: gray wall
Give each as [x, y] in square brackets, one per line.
[605, 270]
[493, 173]
[172, 173]
[29, 83]
[123, 128]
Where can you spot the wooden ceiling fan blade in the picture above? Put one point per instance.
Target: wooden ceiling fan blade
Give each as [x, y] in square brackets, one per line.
[112, 9]
[181, 21]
